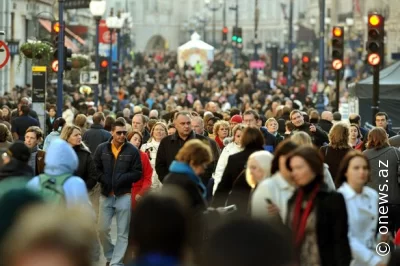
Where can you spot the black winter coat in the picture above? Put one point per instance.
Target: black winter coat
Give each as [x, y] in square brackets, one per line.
[325, 125]
[117, 175]
[94, 136]
[318, 138]
[235, 166]
[169, 148]
[331, 227]
[86, 168]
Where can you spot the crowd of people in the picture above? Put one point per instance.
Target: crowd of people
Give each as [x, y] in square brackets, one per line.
[221, 168]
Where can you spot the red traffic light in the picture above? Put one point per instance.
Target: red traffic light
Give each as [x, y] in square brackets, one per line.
[54, 65]
[305, 59]
[56, 27]
[285, 59]
[225, 30]
[374, 59]
[337, 31]
[374, 20]
[104, 63]
[337, 64]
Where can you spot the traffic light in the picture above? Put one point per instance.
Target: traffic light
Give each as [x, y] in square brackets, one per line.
[239, 35]
[225, 34]
[115, 71]
[285, 63]
[376, 35]
[306, 65]
[55, 27]
[337, 47]
[103, 71]
[67, 59]
[234, 36]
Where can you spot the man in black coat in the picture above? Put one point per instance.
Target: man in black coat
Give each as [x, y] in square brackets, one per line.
[96, 135]
[20, 124]
[118, 166]
[170, 146]
[24, 101]
[318, 136]
[326, 121]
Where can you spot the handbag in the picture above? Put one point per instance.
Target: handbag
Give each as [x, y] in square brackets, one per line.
[233, 185]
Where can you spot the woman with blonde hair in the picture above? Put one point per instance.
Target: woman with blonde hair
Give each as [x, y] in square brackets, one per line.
[81, 122]
[338, 146]
[157, 133]
[191, 161]
[221, 131]
[86, 168]
[301, 138]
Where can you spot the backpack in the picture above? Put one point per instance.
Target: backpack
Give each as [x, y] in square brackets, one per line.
[51, 188]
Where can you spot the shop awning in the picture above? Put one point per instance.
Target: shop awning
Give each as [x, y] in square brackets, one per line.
[68, 42]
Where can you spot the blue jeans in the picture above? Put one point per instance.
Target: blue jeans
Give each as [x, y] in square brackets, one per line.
[120, 207]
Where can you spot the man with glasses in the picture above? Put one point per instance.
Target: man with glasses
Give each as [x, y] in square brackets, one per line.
[118, 166]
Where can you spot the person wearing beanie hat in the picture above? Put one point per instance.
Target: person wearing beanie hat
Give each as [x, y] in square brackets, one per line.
[15, 172]
[236, 119]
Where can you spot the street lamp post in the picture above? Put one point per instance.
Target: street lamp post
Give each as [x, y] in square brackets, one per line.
[97, 8]
[113, 23]
[214, 7]
[321, 40]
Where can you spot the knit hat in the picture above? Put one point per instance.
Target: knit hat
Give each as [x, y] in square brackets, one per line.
[236, 119]
[19, 151]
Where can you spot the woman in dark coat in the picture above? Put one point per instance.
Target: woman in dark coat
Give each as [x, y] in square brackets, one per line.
[338, 147]
[86, 169]
[317, 216]
[384, 161]
[234, 177]
[191, 161]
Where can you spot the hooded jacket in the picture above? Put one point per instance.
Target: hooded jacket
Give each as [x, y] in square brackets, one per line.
[53, 135]
[61, 159]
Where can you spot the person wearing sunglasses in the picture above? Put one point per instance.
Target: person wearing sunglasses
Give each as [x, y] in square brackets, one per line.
[118, 166]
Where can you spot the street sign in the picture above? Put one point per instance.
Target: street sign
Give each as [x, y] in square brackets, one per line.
[76, 4]
[89, 77]
[257, 64]
[4, 54]
[13, 46]
[39, 86]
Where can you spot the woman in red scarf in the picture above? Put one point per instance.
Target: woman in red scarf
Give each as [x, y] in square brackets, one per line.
[221, 131]
[317, 216]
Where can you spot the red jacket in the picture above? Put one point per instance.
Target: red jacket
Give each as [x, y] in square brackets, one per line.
[144, 183]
